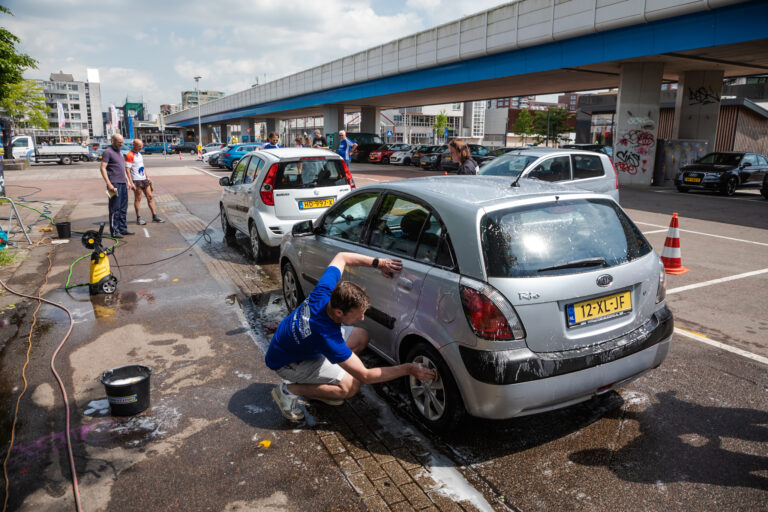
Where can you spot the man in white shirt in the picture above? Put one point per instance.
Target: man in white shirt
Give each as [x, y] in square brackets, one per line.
[134, 162]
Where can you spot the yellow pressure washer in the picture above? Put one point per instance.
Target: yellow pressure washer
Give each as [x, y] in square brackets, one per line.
[102, 280]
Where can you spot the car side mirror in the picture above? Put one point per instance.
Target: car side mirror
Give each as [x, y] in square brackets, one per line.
[303, 228]
[224, 182]
[745, 164]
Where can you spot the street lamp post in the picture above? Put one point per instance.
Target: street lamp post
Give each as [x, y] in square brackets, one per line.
[199, 128]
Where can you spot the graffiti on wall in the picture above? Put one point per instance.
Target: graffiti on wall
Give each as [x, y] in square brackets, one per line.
[702, 96]
[636, 146]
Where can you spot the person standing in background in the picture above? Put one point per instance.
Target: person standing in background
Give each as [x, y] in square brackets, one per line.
[346, 146]
[115, 174]
[134, 161]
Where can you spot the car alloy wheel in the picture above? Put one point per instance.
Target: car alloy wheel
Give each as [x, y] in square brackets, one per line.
[438, 402]
[229, 231]
[729, 187]
[257, 246]
[292, 292]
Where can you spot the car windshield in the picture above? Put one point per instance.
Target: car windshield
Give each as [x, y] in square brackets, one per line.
[561, 237]
[510, 165]
[310, 173]
[721, 159]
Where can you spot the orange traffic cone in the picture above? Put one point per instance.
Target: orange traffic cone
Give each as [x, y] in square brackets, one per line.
[671, 255]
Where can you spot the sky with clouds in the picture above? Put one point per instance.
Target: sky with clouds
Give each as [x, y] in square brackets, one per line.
[153, 49]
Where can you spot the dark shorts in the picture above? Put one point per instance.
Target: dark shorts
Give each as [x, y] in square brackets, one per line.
[142, 184]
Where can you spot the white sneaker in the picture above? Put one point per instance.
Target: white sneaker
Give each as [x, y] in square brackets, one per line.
[288, 404]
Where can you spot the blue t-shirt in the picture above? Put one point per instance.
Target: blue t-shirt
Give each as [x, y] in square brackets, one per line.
[345, 147]
[309, 332]
[269, 145]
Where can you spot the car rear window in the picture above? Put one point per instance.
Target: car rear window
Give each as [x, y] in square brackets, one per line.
[310, 174]
[529, 241]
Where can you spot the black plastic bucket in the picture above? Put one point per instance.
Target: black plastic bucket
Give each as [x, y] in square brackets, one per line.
[64, 229]
[127, 389]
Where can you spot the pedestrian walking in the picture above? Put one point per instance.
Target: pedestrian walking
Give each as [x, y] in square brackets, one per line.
[315, 356]
[142, 183]
[272, 141]
[117, 178]
[346, 146]
[318, 141]
[461, 155]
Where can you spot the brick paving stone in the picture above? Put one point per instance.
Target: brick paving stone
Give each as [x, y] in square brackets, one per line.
[443, 503]
[372, 468]
[361, 484]
[390, 441]
[376, 503]
[424, 480]
[356, 449]
[333, 444]
[388, 490]
[396, 472]
[380, 452]
[415, 496]
[403, 506]
[347, 463]
[406, 458]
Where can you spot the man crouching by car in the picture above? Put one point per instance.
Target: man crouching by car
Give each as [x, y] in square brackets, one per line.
[315, 356]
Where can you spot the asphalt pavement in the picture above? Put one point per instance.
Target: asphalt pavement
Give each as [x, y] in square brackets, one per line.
[691, 434]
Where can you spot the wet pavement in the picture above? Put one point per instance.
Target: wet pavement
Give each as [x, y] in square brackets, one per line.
[690, 434]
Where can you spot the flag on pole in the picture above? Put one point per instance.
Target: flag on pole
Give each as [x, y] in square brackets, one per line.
[60, 110]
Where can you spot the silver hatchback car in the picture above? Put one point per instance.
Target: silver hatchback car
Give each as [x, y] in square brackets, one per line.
[271, 189]
[523, 299]
[576, 169]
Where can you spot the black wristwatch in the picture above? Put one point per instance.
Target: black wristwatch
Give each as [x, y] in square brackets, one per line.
[375, 263]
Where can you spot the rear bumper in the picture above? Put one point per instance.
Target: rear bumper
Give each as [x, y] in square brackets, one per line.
[520, 382]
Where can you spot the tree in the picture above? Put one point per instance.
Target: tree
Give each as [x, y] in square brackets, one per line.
[441, 122]
[12, 63]
[24, 104]
[556, 118]
[524, 124]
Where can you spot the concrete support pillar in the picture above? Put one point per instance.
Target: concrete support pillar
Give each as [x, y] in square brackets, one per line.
[246, 130]
[333, 121]
[271, 126]
[369, 120]
[697, 107]
[224, 132]
[637, 119]
[206, 138]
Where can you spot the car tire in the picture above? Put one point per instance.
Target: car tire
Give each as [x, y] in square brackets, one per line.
[233, 165]
[258, 249]
[729, 187]
[229, 231]
[437, 403]
[65, 160]
[292, 292]
[193, 152]
[407, 161]
[764, 190]
[385, 160]
[682, 189]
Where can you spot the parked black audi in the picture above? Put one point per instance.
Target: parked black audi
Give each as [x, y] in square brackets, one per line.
[723, 172]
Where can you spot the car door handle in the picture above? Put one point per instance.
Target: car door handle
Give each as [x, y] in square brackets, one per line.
[404, 283]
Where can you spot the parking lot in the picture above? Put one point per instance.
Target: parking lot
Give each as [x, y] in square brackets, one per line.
[691, 434]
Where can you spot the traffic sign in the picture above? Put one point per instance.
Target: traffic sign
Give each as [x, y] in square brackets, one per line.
[389, 133]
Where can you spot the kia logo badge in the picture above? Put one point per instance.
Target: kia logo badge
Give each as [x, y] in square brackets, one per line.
[604, 280]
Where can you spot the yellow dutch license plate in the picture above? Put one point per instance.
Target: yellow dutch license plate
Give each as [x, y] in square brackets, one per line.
[315, 203]
[600, 307]
[688, 179]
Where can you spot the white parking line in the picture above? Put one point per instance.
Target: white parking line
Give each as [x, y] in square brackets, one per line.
[654, 231]
[206, 172]
[716, 281]
[707, 234]
[713, 196]
[146, 233]
[704, 339]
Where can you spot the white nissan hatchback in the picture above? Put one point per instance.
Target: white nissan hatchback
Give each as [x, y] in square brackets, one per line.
[272, 189]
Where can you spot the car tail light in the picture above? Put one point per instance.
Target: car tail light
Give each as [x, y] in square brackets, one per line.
[661, 290]
[348, 174]
[225, 155]
[268, 187]
[488, 312]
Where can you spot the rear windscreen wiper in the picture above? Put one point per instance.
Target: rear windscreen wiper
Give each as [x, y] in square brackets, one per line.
[586, 262]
